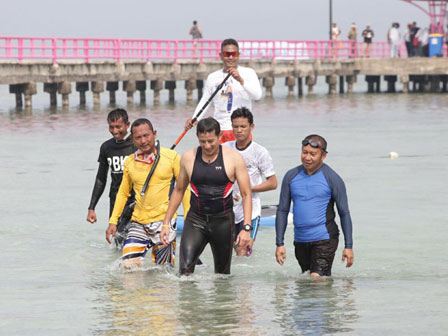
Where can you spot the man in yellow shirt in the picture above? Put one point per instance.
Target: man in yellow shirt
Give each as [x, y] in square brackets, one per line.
[150, 208]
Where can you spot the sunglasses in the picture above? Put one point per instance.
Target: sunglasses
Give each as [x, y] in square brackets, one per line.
[313, 144]
[230, 53]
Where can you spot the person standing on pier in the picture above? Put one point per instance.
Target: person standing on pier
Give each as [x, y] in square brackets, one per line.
[416, 46]
[196, 34]
[335, 33]
[113, 153]
[150, 208]
[259, 165]
[211, 170]
[195, 31]
[408, 40]
[314, 188]
[368, 35]
[394, 39]
[238, 91]
[353, 37]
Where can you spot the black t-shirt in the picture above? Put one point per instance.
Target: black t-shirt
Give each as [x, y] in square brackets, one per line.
[113, 154]
[368, 35]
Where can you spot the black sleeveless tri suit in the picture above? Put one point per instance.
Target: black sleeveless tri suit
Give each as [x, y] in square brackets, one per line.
[210, 219]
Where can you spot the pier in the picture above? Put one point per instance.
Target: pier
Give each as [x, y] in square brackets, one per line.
[67, 66]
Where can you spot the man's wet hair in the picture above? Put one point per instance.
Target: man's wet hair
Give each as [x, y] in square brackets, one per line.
[116, 114]
[229, 41]
[208, 125]
[141, 121]
[195, 22]
[243, 112]
[319, 139]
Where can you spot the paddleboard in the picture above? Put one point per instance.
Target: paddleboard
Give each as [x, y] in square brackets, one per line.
[267, 217]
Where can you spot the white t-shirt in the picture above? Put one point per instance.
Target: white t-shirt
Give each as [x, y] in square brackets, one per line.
[394, 35]
[233, 95]
[258, 163]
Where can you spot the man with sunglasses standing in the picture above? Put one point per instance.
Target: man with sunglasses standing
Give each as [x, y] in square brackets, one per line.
[314, 188]
[238, 91]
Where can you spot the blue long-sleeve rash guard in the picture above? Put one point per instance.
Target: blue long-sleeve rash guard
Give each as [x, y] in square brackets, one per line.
[313, 198]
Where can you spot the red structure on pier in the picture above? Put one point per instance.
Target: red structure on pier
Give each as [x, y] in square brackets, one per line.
[436, 12]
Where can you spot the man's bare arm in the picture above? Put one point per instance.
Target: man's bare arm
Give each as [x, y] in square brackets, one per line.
[176, 198]
[242, 177]
[269, 184]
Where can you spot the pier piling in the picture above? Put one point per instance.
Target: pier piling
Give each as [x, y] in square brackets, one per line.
[300, 86]
[268, 83]
[290, 82]
[156, 86]
[404, 79]
[112, 87]
[200, 86]
[52, 90]
[341, 84]
[141, 87]
[390, 83]
[97, 88]
[82, 88]
[29, 90]
[310, 82]
[351, 80]
[130, 86]
[17, 90]
[332, 80]
[190, 85]
[64, 89]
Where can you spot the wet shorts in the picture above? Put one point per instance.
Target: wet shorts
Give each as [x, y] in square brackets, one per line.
[141, 238]
[253, 233]
[318, 256]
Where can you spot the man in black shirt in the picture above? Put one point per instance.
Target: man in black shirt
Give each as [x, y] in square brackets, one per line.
[113, 152]
[368, 35]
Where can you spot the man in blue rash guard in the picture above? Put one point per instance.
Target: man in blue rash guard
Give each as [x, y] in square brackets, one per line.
[314, 188]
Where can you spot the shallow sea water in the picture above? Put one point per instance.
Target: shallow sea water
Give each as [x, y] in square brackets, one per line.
[59, 276]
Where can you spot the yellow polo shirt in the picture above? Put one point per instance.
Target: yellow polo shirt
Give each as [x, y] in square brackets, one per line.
[153, 205]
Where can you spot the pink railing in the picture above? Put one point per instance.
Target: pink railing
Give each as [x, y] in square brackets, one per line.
[86, 49]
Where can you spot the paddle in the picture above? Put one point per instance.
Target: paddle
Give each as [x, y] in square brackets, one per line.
[201, 110]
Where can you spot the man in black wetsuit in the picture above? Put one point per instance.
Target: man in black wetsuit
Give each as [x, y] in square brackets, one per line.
[211, 170]
[113, 152]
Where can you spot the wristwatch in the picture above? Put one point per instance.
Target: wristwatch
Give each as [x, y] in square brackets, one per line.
[247, 227]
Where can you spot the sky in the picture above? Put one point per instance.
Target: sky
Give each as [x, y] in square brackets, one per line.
[172, 19]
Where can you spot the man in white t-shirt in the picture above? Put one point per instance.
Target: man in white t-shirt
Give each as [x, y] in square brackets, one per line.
[259, 164]
[238, 91]
[394, 39]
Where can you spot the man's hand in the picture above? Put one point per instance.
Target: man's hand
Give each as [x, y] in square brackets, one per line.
[189, 124]
[348, 254]
[280, 255]
[235, 74]
[110, 232]
[91, 216]
[165, 234]
[243, 238]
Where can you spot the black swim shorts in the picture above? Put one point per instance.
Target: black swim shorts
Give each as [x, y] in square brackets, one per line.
[318, 256]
